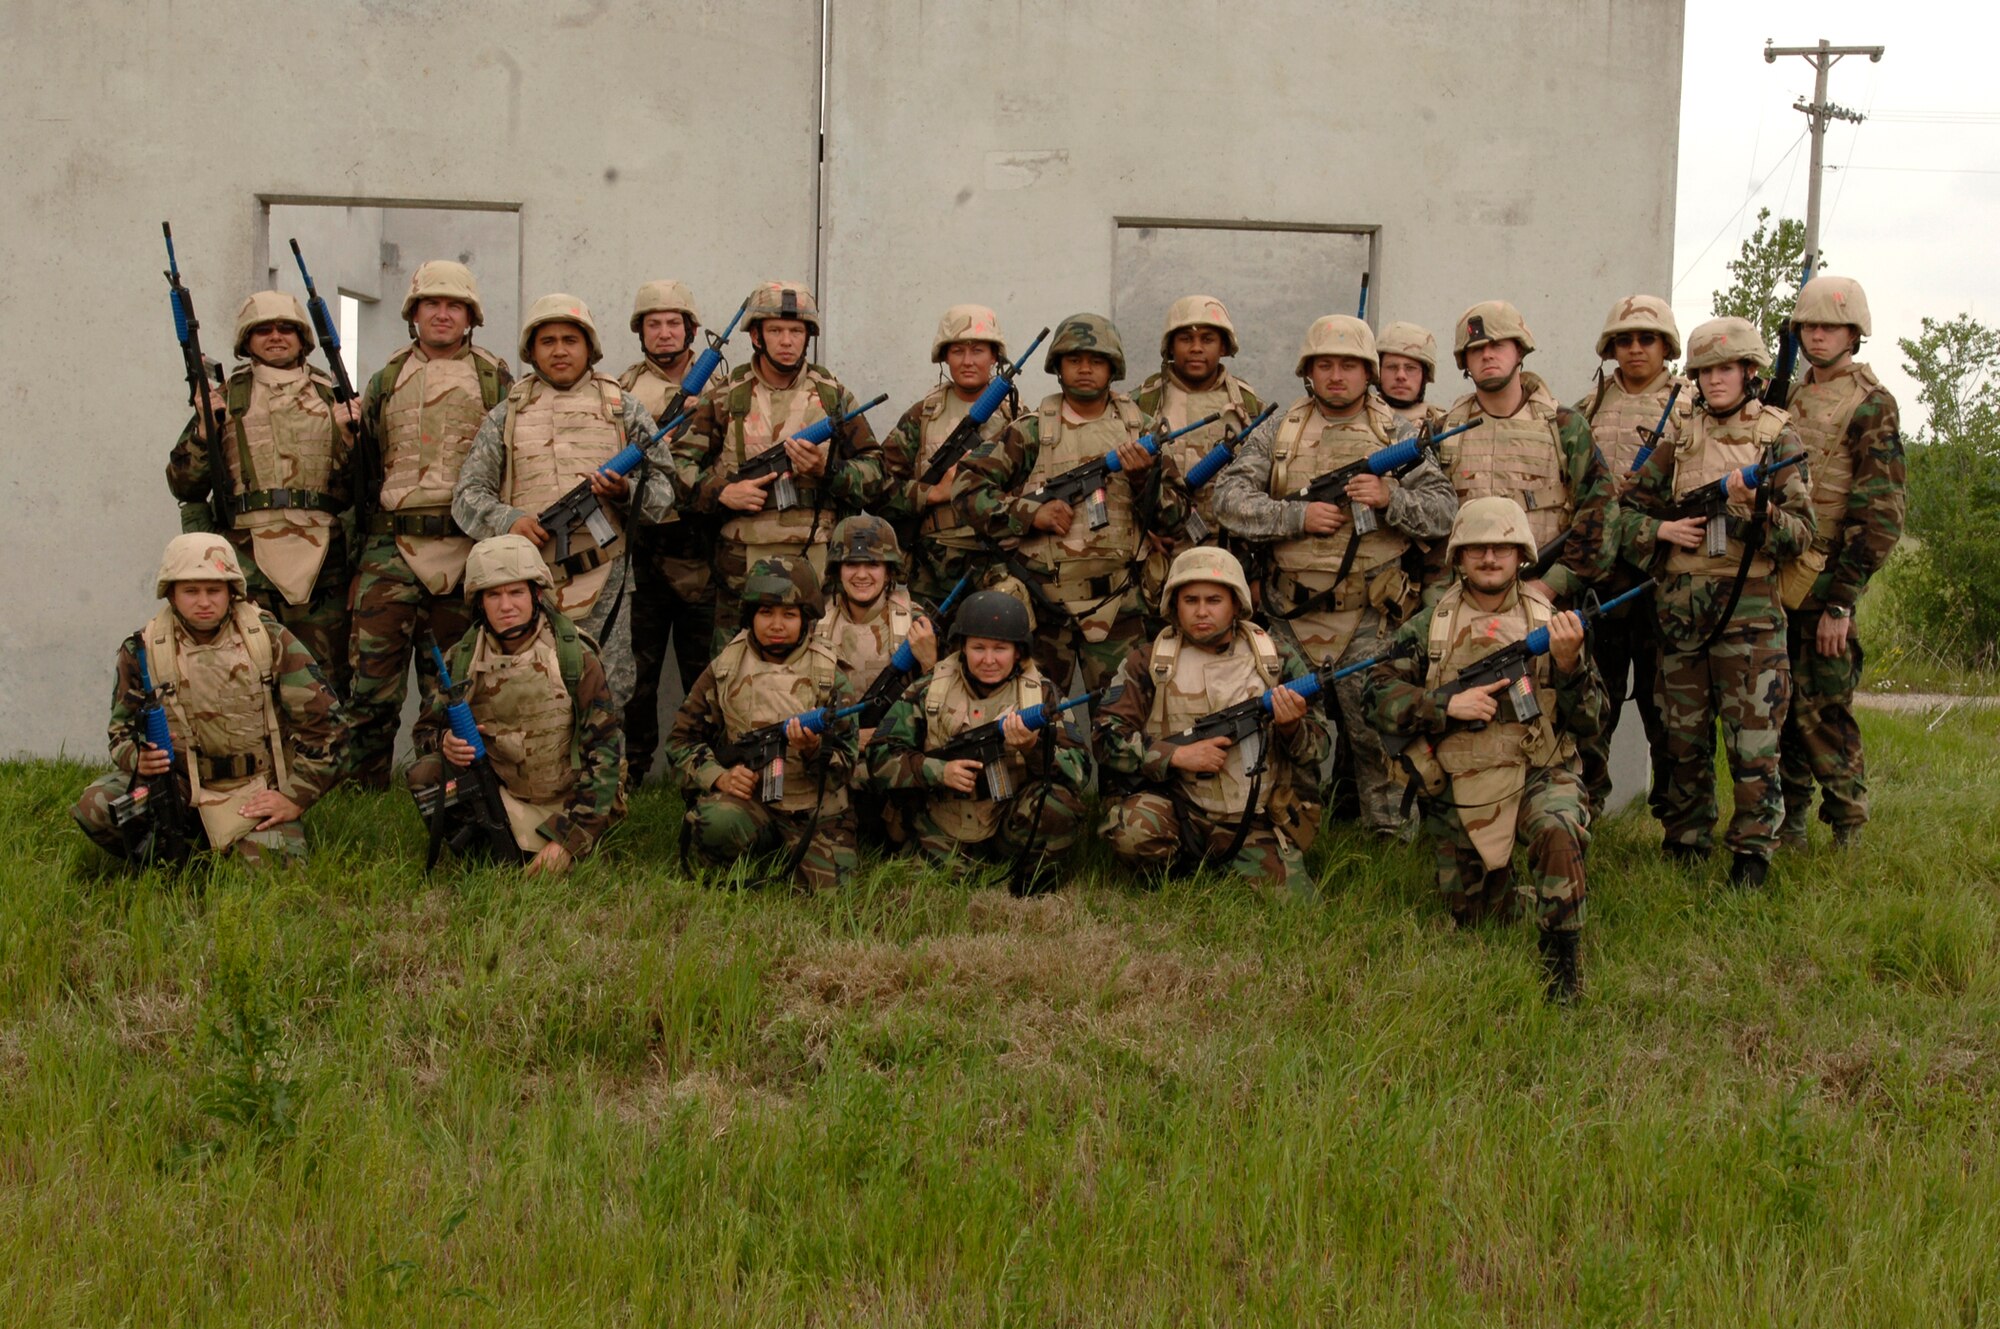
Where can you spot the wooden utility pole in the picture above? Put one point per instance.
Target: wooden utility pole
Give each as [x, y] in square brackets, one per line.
[1823, 58]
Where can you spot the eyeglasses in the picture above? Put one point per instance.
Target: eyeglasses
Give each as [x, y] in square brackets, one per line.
[270, 329]
[1627, 340]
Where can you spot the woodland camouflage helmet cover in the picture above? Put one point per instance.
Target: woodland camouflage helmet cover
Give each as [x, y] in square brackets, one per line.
[1086, 332]
[502, 561]
[1721, 340]
[864, 539]
[665, 297]
[1410, 340]
[783, 299]
[198, 556]
[1197, 311]
[995, 615]
[1490, 320]
[560, 309]
[1640, 313]
[1338, 334]
[1492, 520]
[442, 279]
[967, 323]
[1832, 299]
[272, 307]
[784, 580]
[1206, 563]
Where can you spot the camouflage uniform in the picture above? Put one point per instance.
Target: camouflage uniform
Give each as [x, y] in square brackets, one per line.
[290, 482]
[1083, 586]
[1848, 422]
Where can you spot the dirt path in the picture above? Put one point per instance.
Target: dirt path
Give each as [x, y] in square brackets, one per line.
[1919, 701]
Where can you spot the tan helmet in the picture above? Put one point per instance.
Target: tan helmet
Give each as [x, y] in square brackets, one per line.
[665, 297]
[1206, 563]
[272, 307]
[967, 323]
[1086, 332]
[784, 580]
[1490, 320]
[783, 299]
[1492, 520]
[502, 561]
[1721, 340]
[442, 279]
[199, 556]
[1832, 299]
[864, 539]
[1338, 334]
[1640, 313]
[1413, 341]
[1197, 311]
[560, 309]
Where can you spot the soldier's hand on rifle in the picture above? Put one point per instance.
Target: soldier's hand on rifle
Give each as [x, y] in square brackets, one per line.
[802, 738]
[554, 860]
[1015, 730]
[1324, 518]
[962, 777]
[456, 750]
[1566, 641]
[1287, 709]
[747, 495]
[1478, 705]
[606, 485]
[532, 529]
[1739, 493]
[1370, 489]
[272, 806]
[940, 493]
[737, 782]
[1686, 533]
[1054, 517]
[1203, 758]
[923, 643]
[153, 761]
[348, 412]
[1135, 459]
[808, 459]
[218, 405]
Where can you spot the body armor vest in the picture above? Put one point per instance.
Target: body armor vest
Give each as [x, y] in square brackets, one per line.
[1821, 411]
[1309, 445]
[652, 388]
[434, 408]
[950, 708]
[1519, 457]
[1190, 682]
[866, 644]
[1620, 415]
[754, 692]
[218, 694]
[290, 456]
[1707, 450]
[523, 705]
[551, 437]
[759, 416]
[1084, 553]
[940, 412]
[1179, 406]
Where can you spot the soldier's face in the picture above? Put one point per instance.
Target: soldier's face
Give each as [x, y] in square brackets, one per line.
[1721, 385]
[1641, 356]
[863, 583]
[441, 323]
[990, 661]
[1084, 375]
[1337, 380]
[201, 604]
[1489, 569]
[560, 352]
[664, 333]
[776, 627]
[1494, 365]
[1205, 611]
[1402, 378]
[508, 607]
[1197, 353]
[1826, 343]
[970, 364]
[276, 344]
[782, 341]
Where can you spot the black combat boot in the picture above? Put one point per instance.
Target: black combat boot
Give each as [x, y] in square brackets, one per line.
[1559, 964]
[1749, 871]
[1847, 837]
[1684, 855]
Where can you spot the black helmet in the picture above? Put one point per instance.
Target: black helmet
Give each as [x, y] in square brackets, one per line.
[993, 614]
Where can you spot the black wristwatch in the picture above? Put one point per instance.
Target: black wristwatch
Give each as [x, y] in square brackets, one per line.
[1838, 611]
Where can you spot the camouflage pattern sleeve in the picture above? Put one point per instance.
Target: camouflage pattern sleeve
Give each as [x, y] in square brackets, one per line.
[986, 494]
[1123, 746]
[656, 499]
[857, 480]
[895, 757]
[690, 746]
[1584, 557]
[696, 450]
[1161, 500]
[1308, 745]
[1874, 504]
[1633, 519]
[126, 702]
[1397, 700]
[1422, 504]
[1583, 707]
[187, 465]
[902, 499]
[1242, 493]
[374, 395]
[1790, 529]
[314, 732]
[475, 500]
[592, 804]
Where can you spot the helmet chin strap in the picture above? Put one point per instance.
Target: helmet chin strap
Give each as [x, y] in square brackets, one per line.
[511, 635]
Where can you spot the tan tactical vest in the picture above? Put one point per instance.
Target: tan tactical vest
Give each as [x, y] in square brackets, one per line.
[760, 416]
[286, 436]
[754, 692]
[1178, 407]
[1821, 411]
[1084, 553]
[940, 411]
[1707, 450]
[432, 412]
[1620, 415]
[866, 644]
[950, 708]
[219, 694]
[1520, 457]
[529, 718]
[652, 388]
[1189, 683]
[1309, 445]
[552, 437]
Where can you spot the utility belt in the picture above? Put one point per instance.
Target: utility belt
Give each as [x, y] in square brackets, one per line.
[434, 522]
[583, 561]
[230, 766]
[311, 500]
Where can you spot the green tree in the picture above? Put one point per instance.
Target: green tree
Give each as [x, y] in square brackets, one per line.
[1764, 276]
[1954, 486]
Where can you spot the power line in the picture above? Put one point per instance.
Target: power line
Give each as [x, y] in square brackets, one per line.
[1748, 199]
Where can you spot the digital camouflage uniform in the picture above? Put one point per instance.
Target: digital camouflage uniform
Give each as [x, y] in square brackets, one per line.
[1849, 425]
[290, 482]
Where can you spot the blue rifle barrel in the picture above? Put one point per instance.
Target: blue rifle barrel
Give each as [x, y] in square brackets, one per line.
[1310, 686]
[1038, 715]
[1658, 430]
[329, 331]
[1002, 383]
[1758, 472]
[1362, 310]
[1537, 641]
[154, 717]
[710, 359]
[820, 430]
[904, 660]
[816, 721]
[1152, 442]
[458, 713]
[1224, 452]
[628, 457]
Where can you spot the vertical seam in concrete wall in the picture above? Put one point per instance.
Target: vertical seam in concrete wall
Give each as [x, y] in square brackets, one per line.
[819, 163]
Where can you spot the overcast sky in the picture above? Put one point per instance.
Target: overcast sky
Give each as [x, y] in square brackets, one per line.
[1911, 196]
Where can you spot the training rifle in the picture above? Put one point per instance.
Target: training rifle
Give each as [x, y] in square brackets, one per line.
[964, 435]
[1361, 310]
[367, 458]
[582, 507]
[1649, 439]
[1397, 459]
[1711, 502]
[706, 363]
[155, 804]
[1513, 662]
[774, 460]
[1086, 481]
[1780, 386]
[1246, 718]
[187, 331]
[902, 666]
[1209, 466]
[987, 743]
[474, 789]
[763, 749]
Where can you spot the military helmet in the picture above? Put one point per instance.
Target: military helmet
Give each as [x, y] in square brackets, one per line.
[1086, 332]
[783, 299]
[995, 615]
[272, 307]
[442, 279]
[502, 561]
[1492, 520]
[665, 297]
[1197, 311]
[864, 539]
[1832, 299]
[1413, 341]
[784, 580]
[1640, 313]
[198, 556]
[1338, 334]
[560, 309]
[1490, 320]
[1721, 340]
[1206, 563]
[967, 323]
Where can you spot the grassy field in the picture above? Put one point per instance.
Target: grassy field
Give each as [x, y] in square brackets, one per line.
[354, 1096]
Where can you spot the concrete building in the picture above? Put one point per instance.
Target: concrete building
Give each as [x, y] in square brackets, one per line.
[1038, 157]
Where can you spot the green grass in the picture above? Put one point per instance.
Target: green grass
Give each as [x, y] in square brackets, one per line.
[353, 1096]
[1908, 655]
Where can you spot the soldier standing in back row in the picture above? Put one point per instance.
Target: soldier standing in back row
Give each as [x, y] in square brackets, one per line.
[1409, 365]
[286, 445]
[1848, 423]
[420, 411]
[672, 587]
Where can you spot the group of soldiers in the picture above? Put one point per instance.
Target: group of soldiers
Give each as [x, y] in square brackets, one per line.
[1362, 598]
